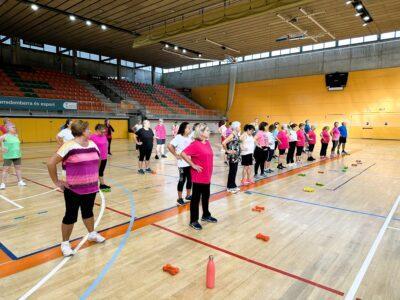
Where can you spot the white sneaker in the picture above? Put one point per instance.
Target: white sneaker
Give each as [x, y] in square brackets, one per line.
[237, 189]
[66, 249]
[96, 237]
[2, 186]
[21, 183]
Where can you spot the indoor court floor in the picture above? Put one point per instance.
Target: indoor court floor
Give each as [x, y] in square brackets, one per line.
[320, 242]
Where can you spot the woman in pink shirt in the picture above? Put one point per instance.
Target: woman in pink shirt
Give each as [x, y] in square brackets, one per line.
[199, 155]
[312, 139]
[100, 139]
[259, 151]
[161, 135]
[283, 144]
[335, 134]
[301, 140]
[325, 138]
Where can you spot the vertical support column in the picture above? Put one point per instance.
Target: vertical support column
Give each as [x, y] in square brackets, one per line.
[74, 62]
[134, 72]
[153, 75]
[118, 68]
[59, 59]
[15, 50]
[232, 87]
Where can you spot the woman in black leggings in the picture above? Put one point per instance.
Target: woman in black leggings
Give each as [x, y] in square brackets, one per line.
[176, 146]
[145, 140]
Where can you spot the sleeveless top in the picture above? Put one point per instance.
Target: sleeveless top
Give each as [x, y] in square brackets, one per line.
[12, 144]
[234, 145]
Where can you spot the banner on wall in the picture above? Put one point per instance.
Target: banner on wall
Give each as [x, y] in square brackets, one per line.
[36, 104]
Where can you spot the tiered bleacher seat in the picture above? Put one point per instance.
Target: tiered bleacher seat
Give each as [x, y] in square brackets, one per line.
[21, 81]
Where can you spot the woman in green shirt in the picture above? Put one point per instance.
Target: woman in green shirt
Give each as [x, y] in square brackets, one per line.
[10, 145]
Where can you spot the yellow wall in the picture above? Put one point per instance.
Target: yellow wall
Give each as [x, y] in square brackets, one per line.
[46, 129]
[370, 96]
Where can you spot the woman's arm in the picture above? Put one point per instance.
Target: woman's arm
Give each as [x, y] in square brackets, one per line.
[186, 158]
[172, 149]
[52, 168]
[112, 129]
[226, 141]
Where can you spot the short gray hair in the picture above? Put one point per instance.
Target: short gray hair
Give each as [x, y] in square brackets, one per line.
[235, 124]
[198, 131]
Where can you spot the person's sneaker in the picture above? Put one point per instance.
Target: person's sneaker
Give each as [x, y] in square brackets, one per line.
[309, 159]
[237, 189]
[148, 170]
[338, 152]
[96, 237]
[21, 183]
[66, 249]
[256, 176]
[196, 225]
[180, 202]
[156, 157]
[188, 198]
[312, 158]
[232, 191]
[244, 182]
[270, 171]
[280, 167]
[2, 186]
[105, 188]
[163, 156]
[209, 219]
[141, 171]
[344, 152]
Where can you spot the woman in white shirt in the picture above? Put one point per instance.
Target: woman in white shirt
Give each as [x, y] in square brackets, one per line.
[292, 144]
[65, 135]
[271, 148]
[176, 146]
[247, 146]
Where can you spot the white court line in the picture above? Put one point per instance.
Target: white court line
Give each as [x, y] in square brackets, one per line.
[11, 202]
[361, 273]
[394, 228]
[9, 210]
[66, 259]
[44, 193]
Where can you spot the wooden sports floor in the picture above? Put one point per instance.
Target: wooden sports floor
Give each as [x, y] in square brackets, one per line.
[343, 237]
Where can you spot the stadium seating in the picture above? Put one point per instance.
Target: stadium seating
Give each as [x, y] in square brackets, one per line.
[22, 81]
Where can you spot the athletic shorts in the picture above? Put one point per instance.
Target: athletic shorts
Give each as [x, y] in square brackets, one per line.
[9, 162]
[160, 141]
[342, 140]
[299, 150]
[222, 139]
[270, 154]
[282, 151]
[311, 147]
[247, 160]
[75, 201]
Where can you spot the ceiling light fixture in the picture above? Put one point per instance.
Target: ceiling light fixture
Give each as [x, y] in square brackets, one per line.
[34, 7]
[359, 6]
[166, 46]
[366, 18]
[365, 24]
[104, 27]
[175, 47]
[183, 50]
[72, 17]
[348, 2]
[357, 14]
[88, 23]
[199, 55]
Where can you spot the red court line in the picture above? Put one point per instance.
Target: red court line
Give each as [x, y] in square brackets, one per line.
[252, 261]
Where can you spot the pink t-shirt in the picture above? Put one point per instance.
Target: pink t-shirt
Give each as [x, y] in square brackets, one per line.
[201, 155]
[161, 132]
[325, 137]
[301, 138]
[282, 136]
[228, 132]
[312, 139]
[335, 134]
[261, 137]
[101, 143]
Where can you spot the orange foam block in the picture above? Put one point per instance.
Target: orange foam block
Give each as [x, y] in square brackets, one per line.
[321, 172]
[153, 172]
[170, 269]
[260, 207]
[262, 237]
[256, 209]
[354, 165]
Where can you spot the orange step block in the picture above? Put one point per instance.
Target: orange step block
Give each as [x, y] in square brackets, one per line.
[170, 269]
[262, 237]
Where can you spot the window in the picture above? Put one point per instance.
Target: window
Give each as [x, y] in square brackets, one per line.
[285, 51]
[185, 68]
[84, 55]
[215, 63]
[248, 57]
[189, 67]
[165, 71]
[257, 56]
[276, 53]
[388, 35]
[171, 70]
[224, 62]
[65, 51]
[177, 69]
[398, 34]
[318, 46]
[344, 42]
[50, 48]
[239, 59]
[158, 70]
[195, 66]
[7, 41]
[203, 65]
[307, 48]
[295, 50]
[104, 57]
[330, 44]
[264, 54]
[357, 40]
[209, 64]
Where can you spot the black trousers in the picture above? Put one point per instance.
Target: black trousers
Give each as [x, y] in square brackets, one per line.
[233, 167]
[109, 145]
[145, 152]
[323, 149]
[334, 145]
[290, 155]
[184, 176]
[102, 167]
[259, 157]
[199, 191]
[75, 201]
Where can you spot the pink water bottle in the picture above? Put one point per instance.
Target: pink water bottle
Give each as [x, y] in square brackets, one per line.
[210, 273]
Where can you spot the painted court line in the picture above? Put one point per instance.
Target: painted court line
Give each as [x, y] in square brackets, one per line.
[65, 259]
[351, 178]
[121, 245]
[252, 261]
[363, 270]
[40, 194]
[394, 228]
[11, 202]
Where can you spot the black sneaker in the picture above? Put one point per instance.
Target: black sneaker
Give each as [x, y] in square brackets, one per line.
[163, 156]
[156, 157]
[280, 167]
[196, 225]
[209, 219]
[148, 170]
[141, 172]
[180, 202]
[188, 198]
[310, 159]
[270, 171]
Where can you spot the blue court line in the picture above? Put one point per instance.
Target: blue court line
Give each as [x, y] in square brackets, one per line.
[340, 185]
[121, 245]
[321, 205]
[8, 252]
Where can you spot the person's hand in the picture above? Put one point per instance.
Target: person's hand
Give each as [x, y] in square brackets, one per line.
[62, 185]
[231, 152]
[139, 143]
[197, 168]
